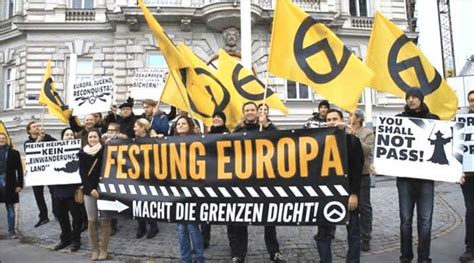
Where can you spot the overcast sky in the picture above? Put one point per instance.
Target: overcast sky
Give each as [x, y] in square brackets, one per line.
[462, 18]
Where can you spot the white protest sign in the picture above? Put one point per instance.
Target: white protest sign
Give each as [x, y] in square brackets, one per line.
[92, 96]
[419, 148]
[52, 163]
[148, 83]
[468, 157]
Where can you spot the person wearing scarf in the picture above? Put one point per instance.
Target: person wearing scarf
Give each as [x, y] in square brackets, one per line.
[11, 180]
[90, 162]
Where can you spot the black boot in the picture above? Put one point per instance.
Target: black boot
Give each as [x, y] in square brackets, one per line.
[61, 245]
[141, 231]
[153, 230]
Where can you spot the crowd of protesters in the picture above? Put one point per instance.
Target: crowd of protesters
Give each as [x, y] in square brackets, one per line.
[193, 239]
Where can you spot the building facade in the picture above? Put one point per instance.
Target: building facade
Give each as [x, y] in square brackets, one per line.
[86, 39]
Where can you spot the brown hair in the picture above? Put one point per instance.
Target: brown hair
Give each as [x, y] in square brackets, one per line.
[149, 102]
[190, 124]
[28, 126]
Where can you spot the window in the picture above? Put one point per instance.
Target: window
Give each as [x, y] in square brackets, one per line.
[9, 88]
[297, 91]
[359, 7]
[155, 60]
[82, 4]
[84, 69]
[8, 7]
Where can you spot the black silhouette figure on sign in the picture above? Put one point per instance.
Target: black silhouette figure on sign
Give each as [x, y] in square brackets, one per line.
[71, 167]
[439, 155]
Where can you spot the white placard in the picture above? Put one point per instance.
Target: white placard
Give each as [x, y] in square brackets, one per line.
[148, 83]
[92, 96]
[52, 163]
[468, 157]
[419, 148]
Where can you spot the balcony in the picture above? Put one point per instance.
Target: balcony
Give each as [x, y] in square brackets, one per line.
[309, 5]
[80, 15]
[360, 22]
[5, 25]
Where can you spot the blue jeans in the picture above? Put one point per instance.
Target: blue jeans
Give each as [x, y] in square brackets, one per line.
[326, 234]
[185, 233]
[417, 192]
[11, 218]
[468, 192]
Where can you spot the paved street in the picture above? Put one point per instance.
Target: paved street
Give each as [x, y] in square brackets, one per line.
[295, 242]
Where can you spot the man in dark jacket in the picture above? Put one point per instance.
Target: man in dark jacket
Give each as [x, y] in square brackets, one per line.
[355, 160]
[158, 119]
[417, 192]
[36, 134]
[319, 118]
[238, 234]
[127, 121]
[11, 180]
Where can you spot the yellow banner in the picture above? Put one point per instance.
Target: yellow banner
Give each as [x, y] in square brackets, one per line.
[308, 52]
[400, 66]
[50, 98]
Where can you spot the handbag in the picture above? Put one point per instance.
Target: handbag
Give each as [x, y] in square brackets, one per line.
[79, 193]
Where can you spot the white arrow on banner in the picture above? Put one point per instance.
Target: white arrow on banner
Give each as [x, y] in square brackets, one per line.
[111, 205]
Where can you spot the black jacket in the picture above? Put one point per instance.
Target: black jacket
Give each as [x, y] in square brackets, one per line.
[245, 127]
[90, 181]
[126, 126]
[47, 138]
[424, 113]
[355, 160]
[13, 178]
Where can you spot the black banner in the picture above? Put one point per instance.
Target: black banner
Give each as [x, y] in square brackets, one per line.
[288, 177]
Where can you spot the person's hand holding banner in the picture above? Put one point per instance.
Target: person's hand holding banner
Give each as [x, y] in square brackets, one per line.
[353, 202]
[95, 194]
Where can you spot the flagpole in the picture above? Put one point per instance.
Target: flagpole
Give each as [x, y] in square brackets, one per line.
[184, 99]
[42, 117]
[265, 96]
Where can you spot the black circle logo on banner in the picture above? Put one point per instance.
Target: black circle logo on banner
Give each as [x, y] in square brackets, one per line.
[395, 68]
[303, 53]
[334, 211]
[239, 84]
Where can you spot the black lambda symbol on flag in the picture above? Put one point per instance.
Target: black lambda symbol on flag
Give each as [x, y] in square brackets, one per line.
[302, 53]
[225, 94]
[395, 68]
[53, 95]
[239, 84]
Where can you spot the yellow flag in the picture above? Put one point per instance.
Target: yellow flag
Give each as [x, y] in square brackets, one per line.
[244, 84]
[399, 66]
[3, 129]
[308, 52]
[167, 47]
[191, 87]
[174, 92]
[50, 98]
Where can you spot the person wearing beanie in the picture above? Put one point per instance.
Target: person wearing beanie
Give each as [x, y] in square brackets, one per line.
[415, 192]
[318, 119]
[367, 141]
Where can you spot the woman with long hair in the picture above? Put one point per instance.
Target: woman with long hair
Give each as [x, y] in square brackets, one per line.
[188, 233]
[90, 162]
